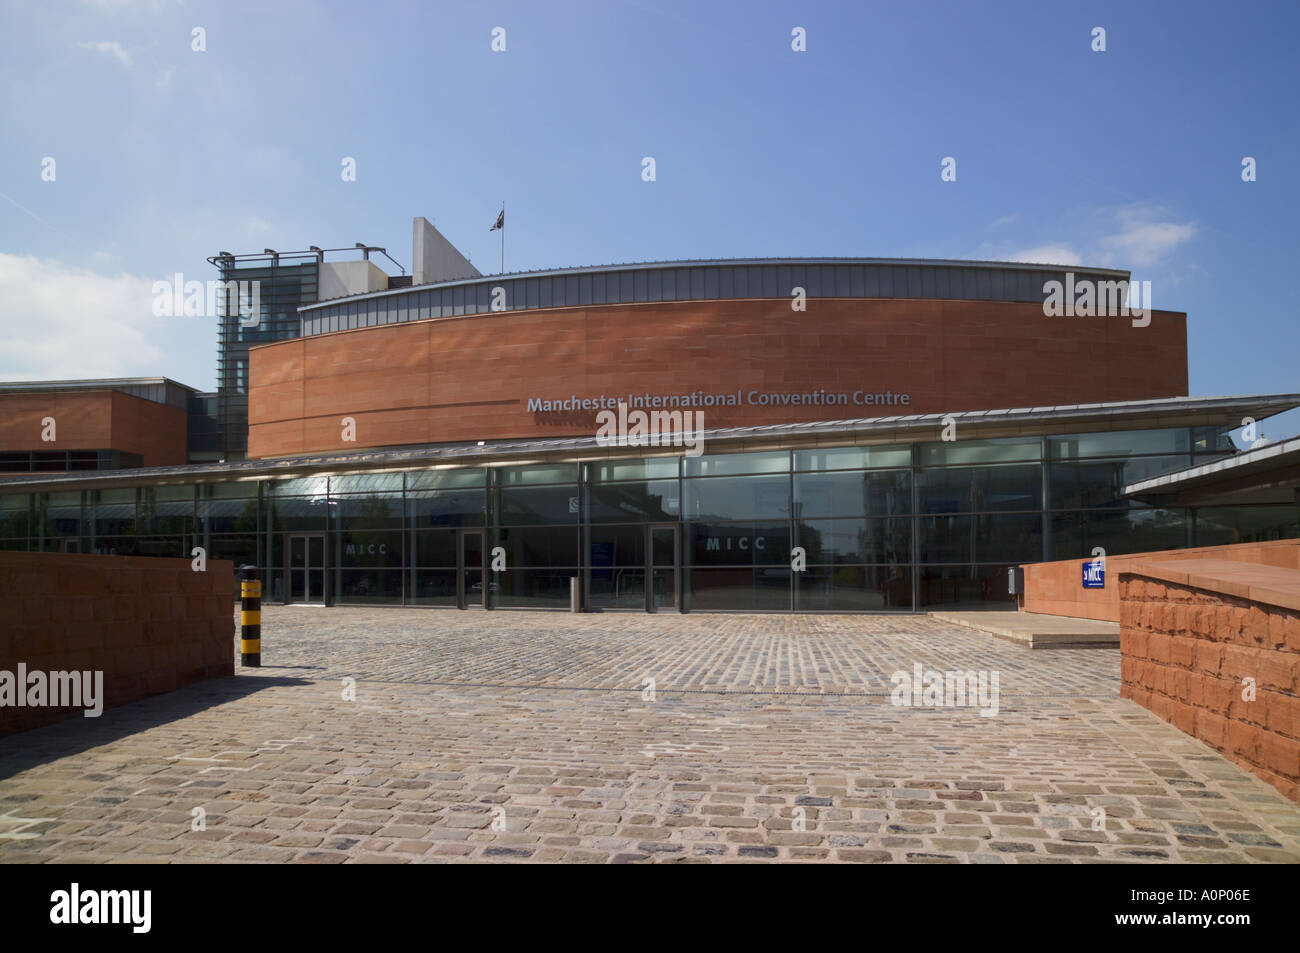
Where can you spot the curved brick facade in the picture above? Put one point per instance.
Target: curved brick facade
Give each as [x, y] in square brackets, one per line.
[450, 380]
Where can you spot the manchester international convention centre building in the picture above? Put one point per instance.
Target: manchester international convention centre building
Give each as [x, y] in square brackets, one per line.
[877, 435]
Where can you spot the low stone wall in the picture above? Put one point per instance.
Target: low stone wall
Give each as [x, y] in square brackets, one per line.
[1213, 647]
[150, 625]
[1055, 588]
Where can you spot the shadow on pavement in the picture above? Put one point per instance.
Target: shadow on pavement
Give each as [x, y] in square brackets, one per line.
[27, 749]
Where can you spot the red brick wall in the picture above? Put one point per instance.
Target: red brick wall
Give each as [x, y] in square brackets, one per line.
[1190, 638]
[150, 625]
[459, 379]
[1055, 588]
[95, 420]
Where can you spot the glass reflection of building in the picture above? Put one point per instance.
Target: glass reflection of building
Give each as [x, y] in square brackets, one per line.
[897, 527]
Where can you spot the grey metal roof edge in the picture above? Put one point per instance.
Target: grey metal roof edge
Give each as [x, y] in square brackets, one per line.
[497, 453]
[717, 262]
[93, 383]
[1244, 458]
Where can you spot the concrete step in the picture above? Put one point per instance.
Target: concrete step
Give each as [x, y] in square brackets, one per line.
[1037, 631]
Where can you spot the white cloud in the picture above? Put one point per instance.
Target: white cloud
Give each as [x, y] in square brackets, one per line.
[1138, 236]
[108, 48]
[1142, 242]
[60, 322]
[1048, 255]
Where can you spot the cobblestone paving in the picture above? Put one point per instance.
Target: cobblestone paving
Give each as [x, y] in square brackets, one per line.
[523, 737]
[764, 653]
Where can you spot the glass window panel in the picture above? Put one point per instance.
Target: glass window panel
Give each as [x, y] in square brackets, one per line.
[657, 501]
[241, 549]
[366, 483]
[368, 549]
[1117, 531]
[532, 588]
[738, 497]
[857, 540]
[997, 450]
[538, 546]
[167, 509]
[617, 546]
[853, 458]
[433, 587]
[964, 587]
[848, 493]
[316, 486]
[1221, 525]
[741, 589]
[229, 491]
[218, 515]
[450, 508]
[366, 512]
[114, 512]
[1101, 482]
[853, 588]
[1120, 443]
[435, 547]
[1213, 439]
[645, 469]
[979, 489]
[725, 464]
[516, 506]
[1002, 537]
[299, 514]
[173, 546]
[617, 588]
[738, 544]
[368, 586]
[15, 521]
[545, 473]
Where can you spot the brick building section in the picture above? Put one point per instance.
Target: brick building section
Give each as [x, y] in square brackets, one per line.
[95, 420]
[469, 378]
[1056, 588]
[1191, 631]
[150, 625]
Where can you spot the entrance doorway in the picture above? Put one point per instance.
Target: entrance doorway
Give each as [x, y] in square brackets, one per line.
[472, 589]
[306, 569]
[663, 568]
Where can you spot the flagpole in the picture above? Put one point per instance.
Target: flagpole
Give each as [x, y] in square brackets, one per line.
[503, 236]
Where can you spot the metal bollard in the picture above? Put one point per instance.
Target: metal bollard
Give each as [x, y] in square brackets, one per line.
[575, 594]
[250, 617]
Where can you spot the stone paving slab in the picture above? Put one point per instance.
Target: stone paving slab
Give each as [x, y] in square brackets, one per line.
[1036, 630]
[709, 770]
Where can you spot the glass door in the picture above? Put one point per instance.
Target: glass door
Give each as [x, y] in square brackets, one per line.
[473, 585]
[663, 589]
[306, 570]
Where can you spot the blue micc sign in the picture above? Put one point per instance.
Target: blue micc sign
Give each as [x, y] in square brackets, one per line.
[1094, 574]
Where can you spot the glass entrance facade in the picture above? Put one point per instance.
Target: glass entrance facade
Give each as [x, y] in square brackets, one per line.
[902, 527]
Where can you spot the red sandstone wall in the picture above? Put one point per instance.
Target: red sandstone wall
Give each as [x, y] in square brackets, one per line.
[459, 379]
[1054, 588]
[95, 420]
[150, 625]
[1191, 631]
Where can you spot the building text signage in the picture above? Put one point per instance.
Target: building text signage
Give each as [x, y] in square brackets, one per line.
[752, 398]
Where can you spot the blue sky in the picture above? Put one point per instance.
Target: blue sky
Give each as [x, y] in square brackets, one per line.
[1129, 158]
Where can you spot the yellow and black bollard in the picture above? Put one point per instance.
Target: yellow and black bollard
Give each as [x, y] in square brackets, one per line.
[250, 617]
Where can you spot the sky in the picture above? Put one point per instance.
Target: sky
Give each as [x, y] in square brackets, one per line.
[164, 154]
